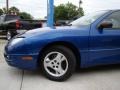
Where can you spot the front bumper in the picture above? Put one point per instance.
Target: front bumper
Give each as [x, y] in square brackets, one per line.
[15, 60]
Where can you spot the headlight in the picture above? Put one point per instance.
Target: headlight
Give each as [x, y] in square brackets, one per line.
[15, 41]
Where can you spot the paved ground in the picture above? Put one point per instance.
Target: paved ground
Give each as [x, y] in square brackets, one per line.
[105, 78]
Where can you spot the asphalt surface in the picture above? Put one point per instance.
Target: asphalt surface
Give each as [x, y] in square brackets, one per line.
[100, 78]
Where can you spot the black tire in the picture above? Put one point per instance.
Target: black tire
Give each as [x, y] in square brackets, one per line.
[70, 58]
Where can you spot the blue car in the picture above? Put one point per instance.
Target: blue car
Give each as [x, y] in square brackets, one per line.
[91, 40]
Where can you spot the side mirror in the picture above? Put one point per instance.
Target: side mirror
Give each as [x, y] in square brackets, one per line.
[105, 24]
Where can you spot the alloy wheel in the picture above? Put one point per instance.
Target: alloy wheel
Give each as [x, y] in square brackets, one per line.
[56, 64]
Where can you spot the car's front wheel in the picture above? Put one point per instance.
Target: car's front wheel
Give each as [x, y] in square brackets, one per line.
[58, 63]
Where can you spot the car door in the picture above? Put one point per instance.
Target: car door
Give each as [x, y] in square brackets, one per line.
[2, 29]
[105, 43]
[0, 22]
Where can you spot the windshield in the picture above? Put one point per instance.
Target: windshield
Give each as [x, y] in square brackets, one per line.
[88, 19]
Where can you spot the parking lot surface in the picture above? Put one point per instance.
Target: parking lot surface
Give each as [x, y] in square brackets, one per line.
[100, 78]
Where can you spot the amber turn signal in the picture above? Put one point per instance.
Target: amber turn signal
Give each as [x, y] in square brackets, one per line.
[27, 58]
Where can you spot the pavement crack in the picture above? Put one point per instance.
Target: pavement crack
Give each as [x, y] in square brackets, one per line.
[22, 80]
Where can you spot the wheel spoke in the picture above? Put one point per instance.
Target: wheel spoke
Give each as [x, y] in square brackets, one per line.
[60, 70]
[48, 63]
[58, 57]
[47, 60]
[63, 58]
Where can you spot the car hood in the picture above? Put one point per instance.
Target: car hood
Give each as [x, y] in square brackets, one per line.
[47, 30]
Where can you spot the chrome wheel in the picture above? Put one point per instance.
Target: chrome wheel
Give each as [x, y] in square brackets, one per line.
[56, 64]
[8, 35]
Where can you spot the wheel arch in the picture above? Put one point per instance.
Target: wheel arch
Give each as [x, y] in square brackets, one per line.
[70, 46]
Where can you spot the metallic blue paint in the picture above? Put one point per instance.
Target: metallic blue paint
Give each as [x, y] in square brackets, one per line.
[95, 47]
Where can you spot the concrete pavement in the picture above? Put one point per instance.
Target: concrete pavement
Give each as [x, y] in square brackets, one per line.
[10, 78]
[102, 78]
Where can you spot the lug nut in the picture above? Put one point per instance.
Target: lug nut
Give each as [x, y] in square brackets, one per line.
[55, 61]
[53, 66]
[56, 66]
[52, 62]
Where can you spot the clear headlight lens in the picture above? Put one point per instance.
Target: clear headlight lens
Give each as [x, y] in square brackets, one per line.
[15, 41]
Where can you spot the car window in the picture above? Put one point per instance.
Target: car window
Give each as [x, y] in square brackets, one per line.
[11, 17]
[114, 18]
[88, 19]
[1, 19]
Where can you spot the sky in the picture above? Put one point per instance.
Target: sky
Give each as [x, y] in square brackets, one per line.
[38, 8]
